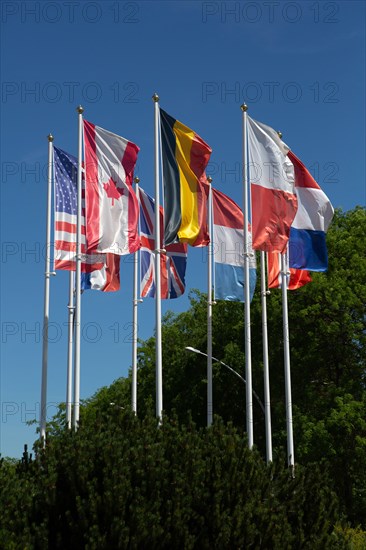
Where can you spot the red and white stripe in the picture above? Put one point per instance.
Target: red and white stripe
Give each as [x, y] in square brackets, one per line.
[65, 243]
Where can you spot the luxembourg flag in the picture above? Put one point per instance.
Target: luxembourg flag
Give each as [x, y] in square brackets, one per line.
[111, 204]
[307, 247]
[272, 180]
[228, 250]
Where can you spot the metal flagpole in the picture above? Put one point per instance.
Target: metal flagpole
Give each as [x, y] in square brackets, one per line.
[70, 350]
[248, 351]
[47, 274]
[158, 356]
[135, 302]
[209, 309]
[80, 111]
[286, 350]
[267, 399]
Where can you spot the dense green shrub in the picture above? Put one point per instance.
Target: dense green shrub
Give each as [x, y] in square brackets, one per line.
[127, 483]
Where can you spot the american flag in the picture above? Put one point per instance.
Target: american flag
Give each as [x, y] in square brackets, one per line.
[66, 169]
[172, 264]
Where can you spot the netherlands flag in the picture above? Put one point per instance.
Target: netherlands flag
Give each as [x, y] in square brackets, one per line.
[307, 247]
[172, 264]
[228, 250]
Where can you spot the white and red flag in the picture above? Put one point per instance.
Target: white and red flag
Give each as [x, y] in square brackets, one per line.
[272, 178]
[296, 278]
[111, 205]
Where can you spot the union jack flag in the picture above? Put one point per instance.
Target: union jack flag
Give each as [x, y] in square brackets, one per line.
[172, 263]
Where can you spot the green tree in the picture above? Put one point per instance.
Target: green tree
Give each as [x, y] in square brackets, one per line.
[121, 482]
[127, 483]
[327, 340]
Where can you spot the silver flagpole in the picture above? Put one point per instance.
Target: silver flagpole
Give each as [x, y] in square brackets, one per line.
[43, 412]
[70, 350]
[158, 356]
[135, 302]
[248, 350]
[286, 350]
[209, 309]
[80, 111]
[267, 399]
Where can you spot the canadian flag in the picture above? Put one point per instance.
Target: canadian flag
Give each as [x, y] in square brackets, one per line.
[111, 206]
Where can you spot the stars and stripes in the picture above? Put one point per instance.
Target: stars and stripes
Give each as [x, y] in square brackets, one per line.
[98, 270]
[66, 167]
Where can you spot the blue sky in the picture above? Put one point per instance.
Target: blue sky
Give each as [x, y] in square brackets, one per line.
[300, 67]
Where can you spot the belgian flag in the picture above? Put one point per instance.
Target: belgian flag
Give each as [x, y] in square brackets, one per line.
[185, 157]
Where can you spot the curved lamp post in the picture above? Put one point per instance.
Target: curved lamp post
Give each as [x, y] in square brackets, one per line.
[194, 350]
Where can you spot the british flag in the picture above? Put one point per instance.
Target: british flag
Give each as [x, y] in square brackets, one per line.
[172, 263]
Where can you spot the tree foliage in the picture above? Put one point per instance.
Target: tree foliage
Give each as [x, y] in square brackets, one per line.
[328, 358]
[127, 483]
[122, 482]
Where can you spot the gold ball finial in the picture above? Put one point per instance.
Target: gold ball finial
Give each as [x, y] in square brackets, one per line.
[209, 179]
[136, 179]
[80, 110]
[50, 137]
[155, 97]
[244, 107]
[279, 134]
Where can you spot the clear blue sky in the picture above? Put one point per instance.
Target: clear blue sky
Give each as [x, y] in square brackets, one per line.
[300, 67]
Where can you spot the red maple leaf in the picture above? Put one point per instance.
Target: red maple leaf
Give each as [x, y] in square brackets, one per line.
[112, 191]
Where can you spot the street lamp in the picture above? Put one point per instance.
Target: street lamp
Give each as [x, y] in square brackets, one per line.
[194, 350]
